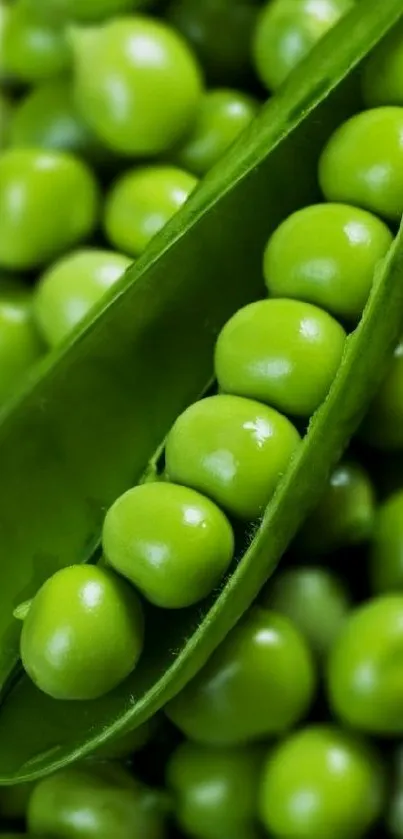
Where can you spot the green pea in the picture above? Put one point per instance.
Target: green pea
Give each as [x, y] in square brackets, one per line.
[83, 633]
[57, 206]
[225, 59]
[282, 352]
[365, 685]
[95, 803]
[141, 203]
[234, 450]
[287, 31]
[314, 599]
[5, 119]
[382, 79]
[34, 50]
[362, 163]
[383, 424]
[70, 288]
[173, 544]
[344, 515]
[223, 115]
[47, 117]
[88, 11]
[386, 554]
[258, 683]
[20, 345]
[14, 801]
[321, 782]
[144, 87]
[215, 790]
[327, 254]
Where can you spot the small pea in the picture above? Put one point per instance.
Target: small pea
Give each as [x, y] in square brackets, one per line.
[362, 163]
[258, 683]
[83, 633]
[282, 352]
[172, 543]
[382, 79]
[34, 49]
[141, 203]
[383, 425]
[386, 552]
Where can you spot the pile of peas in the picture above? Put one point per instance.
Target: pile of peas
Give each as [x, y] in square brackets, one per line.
[108, 118]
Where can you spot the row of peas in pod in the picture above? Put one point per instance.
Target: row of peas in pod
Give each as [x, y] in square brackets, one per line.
[110, 112]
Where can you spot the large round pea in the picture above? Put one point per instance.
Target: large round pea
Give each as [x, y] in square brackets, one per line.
[57, 206]
[95, 803]
[365, 684]
[383, 425]
[386, 553]
[362, 163]
[33, 49]
[20, 345]
[142, 202]
[169, 541]
[83, 633]
[232, 449]
[286, 32]
[223, 115]
[226, 59]
[314, 599]
[327, 254]
[382, 79]
[215, 790]
[69, 289]
[144, 87]
[282, 352]
[259, 682]
[47, 117]
[321, 782]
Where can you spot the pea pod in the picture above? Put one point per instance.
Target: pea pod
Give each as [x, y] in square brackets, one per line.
[86, 425]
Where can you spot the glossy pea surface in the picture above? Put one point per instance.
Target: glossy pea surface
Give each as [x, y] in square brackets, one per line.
[286, 32]
[386, 551]
[20, 344]
[233, 450]
[258, 683]
[321, 782]
[69, 289]
[282, 352]
[34, 49]
[83, 633]
[223, 114]
[362, 163]
[57, 206]
[141, 203]
[382, 78]
[327, 254]
[365, 685]
[144, 87]
[383, 425]
[215, 790]
[171, 542]
[97, 803]
[314, 599]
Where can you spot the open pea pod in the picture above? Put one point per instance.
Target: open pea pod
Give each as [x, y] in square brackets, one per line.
[87, 425]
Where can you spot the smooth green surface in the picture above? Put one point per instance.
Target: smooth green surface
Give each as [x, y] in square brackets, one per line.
[5, 116]
[223, 114]
[56, 209]
[50, 455]
[33, 49]
[314, 599]
[365, 685]
[287, 31]
[95, 803]
[233, 450]
[327, 254]
[382, 81]
[20, 344]
[215, 789]
[362, 164]
[144, 87]
[259, 683]
[69, 289]
[83, 633]
[383, 424]
[169, 541]
[394, 816]
[281, 352]
[386, 551]
[87, 11]
[141, 203]
[321, 782]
